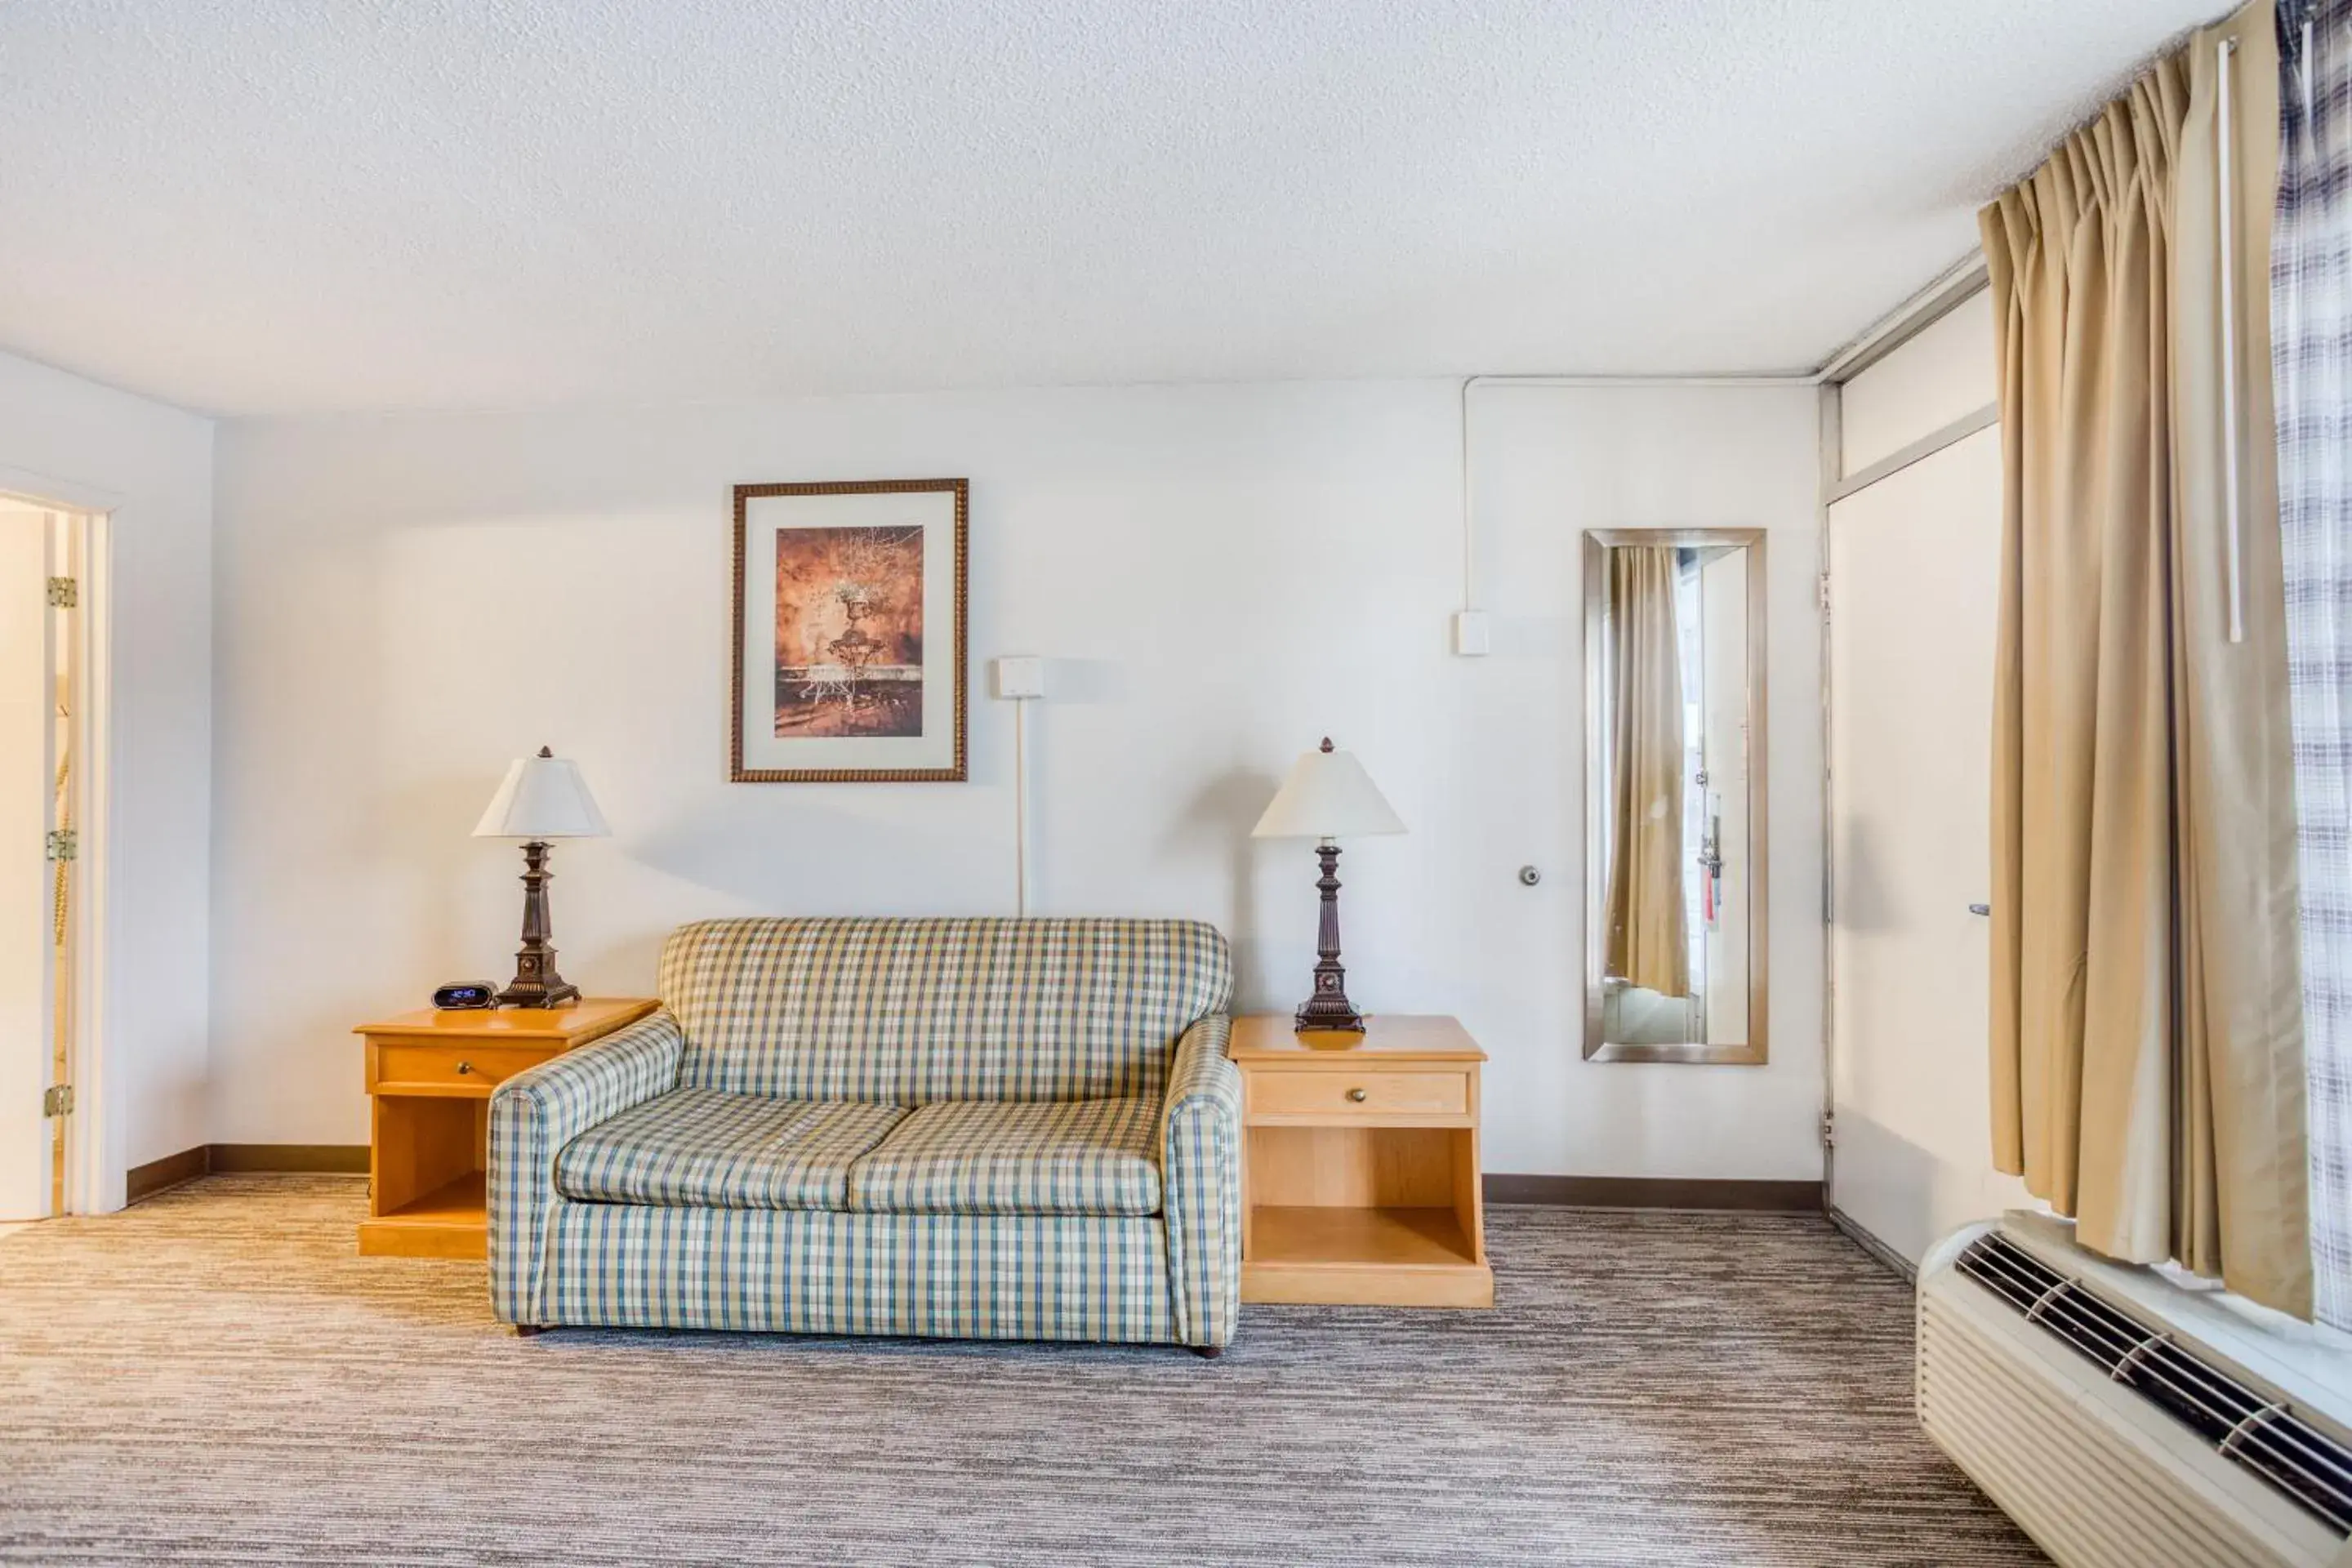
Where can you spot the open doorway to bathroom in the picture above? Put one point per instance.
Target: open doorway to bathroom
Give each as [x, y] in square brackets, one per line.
[45, 789]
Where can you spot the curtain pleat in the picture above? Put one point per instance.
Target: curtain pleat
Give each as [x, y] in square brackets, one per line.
[2129, 1090]
[2241, 1191]
[1649, 942]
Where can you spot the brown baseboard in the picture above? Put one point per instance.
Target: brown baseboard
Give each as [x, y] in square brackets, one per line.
[212, 1158]
[1575, 1192]
[1656, 1192]
[341, 1159]
[145, 1181]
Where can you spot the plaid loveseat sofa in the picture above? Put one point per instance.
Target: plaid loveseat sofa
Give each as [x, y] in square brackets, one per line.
[973, 1128]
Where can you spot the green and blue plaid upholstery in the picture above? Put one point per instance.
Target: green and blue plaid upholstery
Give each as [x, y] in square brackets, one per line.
[912, 1011]
[734, 1151]
[532, 1116]
[998, 1156]
[1201, 1175]
[815, 1271]
[1072, 1066]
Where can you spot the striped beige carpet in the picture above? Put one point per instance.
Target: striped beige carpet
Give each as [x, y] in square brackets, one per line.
[213, 1376]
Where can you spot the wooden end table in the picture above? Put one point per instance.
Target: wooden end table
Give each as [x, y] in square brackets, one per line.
[1360, 1178]
[429, 1077]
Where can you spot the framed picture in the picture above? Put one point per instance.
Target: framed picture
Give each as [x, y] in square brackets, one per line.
[849, 632]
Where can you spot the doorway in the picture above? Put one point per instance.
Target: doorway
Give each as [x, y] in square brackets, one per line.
[44, 795]
[1913, 606]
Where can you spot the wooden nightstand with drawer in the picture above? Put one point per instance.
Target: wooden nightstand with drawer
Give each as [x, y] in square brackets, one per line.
[1360, 1181]
[429, 1077]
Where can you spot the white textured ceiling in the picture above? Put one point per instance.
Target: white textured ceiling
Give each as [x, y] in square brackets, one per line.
[304, 205]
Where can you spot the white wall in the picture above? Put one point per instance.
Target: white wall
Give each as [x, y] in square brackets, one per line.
[1551, 463]
[1218, 577]
[1938, 377]
[66, 439]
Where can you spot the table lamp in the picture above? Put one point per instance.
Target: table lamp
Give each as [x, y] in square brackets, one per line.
[541, 797]
[1328, 796]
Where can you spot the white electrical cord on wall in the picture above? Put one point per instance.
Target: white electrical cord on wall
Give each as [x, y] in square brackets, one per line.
[1020, 680]
[1021, 808]
[1469, 514]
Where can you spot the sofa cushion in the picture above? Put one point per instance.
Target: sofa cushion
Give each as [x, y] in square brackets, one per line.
[698, 1146]
[1070, 1157]
[913, 1011]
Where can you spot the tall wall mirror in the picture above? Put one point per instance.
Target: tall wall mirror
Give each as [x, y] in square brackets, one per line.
[1673, 796]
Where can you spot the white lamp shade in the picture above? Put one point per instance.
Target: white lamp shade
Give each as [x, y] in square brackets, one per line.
[1326, 795]
[542, 798]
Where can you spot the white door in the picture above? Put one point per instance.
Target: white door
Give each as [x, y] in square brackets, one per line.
[1914, 615]
[27, 730]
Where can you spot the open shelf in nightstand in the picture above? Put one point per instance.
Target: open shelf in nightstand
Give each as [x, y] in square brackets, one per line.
[1393, 1237]
[1361, 1182]
[461, 1200]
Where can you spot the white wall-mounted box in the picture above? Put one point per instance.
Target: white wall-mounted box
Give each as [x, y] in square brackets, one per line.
[1023, 676]
[1473, 639]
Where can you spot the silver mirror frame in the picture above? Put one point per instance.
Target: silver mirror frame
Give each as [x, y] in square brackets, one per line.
[1754, 1052]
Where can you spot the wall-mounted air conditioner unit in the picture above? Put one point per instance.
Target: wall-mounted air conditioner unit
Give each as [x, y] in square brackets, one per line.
[2125, 1422]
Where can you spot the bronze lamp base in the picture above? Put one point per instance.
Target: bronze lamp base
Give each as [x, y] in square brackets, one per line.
[1328, 1010]
[536, 983]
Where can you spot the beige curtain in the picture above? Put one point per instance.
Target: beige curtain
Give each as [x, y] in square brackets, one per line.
[1649, 942]
[2147, 1033]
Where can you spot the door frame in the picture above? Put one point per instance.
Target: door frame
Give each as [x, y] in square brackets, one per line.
[94, 1172]
[1946, 293]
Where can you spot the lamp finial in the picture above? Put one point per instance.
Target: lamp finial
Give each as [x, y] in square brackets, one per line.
[545, 753]
[1327, 743]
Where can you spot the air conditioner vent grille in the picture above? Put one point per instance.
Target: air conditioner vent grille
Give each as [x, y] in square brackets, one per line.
[2261, 1434]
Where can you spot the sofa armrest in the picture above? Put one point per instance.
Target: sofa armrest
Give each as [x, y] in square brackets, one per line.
[532, 1116]
[1201, 1180]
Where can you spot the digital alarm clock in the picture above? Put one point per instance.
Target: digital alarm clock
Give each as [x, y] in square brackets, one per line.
[465, 993]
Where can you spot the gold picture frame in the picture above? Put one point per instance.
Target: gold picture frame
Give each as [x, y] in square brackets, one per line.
[839, 590]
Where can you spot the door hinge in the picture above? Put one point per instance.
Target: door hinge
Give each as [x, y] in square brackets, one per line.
[57, 1099]
[1821, 592]
[64, 593]
[63, 844]
[1829, 1129]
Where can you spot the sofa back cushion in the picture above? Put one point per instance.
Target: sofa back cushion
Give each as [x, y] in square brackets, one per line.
[913, 1011]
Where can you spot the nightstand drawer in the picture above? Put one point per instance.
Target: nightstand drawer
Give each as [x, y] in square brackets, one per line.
[463, 1071]
[1366, 1095]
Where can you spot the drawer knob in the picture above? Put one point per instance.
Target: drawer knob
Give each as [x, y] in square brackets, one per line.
[1357, 1095]
[464, 1066]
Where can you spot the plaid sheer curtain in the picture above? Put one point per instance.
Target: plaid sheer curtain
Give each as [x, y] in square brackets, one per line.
[2311, 290]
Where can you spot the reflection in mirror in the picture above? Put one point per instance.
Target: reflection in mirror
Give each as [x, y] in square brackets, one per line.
[1673, 651]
